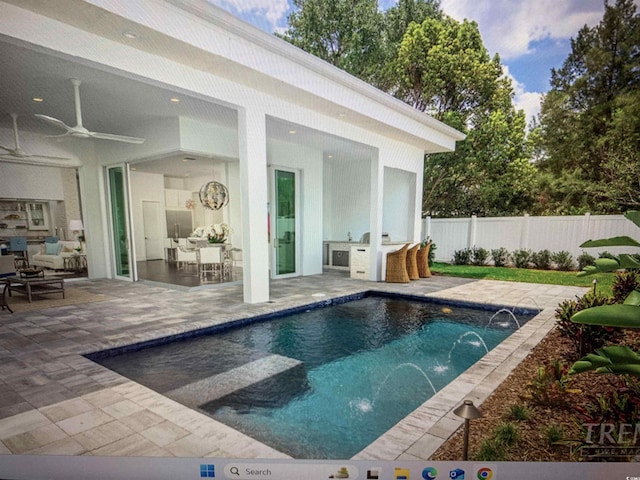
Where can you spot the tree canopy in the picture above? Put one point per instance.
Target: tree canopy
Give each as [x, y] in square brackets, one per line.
[590, 119]
[581, 154]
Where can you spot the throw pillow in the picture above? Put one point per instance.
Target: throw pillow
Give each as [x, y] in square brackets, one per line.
[67, 249]
[52, 248]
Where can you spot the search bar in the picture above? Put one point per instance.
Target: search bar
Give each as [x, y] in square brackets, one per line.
[277, 471]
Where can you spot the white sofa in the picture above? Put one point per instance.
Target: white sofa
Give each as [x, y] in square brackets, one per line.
[54, 261]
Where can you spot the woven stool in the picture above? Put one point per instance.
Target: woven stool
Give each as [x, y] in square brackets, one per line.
[423, 261]
[396, 271]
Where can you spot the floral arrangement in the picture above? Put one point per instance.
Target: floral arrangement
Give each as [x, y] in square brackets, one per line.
[190, 204]
[215, 233]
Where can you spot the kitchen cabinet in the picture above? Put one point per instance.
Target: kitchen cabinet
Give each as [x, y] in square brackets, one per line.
[37, 216]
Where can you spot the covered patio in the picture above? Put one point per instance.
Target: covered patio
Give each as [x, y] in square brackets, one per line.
[213, 98]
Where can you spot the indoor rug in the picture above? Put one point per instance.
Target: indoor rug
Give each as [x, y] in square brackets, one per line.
[73, 296]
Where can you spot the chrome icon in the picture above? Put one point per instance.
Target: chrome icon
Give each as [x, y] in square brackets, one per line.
[429, 473]
[485, 474]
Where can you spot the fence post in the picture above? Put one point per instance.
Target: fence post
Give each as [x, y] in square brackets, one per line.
[427, 227]
[524, 232]
[472, 231]
[586, 226]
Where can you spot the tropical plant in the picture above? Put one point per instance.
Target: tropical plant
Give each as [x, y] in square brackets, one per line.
[616, 358]
[625, 283]
[584, 338]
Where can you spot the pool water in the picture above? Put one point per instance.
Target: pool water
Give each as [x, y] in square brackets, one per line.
[365, 365]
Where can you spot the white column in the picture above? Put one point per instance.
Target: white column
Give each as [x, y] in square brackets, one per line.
[375, 219]
[252, 138]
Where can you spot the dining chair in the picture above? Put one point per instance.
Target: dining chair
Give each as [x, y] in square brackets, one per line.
[186, 257]
[211, 260]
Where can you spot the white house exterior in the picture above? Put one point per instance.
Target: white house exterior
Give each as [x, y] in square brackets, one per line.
[248, 101]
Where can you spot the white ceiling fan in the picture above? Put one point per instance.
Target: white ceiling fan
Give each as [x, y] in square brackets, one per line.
[17, 154]
[79, 131]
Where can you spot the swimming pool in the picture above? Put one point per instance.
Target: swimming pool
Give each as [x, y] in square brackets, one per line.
[322, 383]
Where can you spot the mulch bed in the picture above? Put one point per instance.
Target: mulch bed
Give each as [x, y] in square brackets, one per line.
[533, 443]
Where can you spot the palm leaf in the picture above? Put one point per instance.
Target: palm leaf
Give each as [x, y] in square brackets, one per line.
[622, 241]
[614, 359]
[620, 315]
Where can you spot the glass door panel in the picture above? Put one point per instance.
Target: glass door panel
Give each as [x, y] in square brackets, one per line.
[285, 217]
[119, 221]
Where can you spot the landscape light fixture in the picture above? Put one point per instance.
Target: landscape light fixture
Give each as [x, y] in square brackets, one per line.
[467, 411]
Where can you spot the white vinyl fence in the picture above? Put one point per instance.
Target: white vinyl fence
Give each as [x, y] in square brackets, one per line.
[527, 232]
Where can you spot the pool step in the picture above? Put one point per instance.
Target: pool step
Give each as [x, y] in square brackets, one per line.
[217, 386]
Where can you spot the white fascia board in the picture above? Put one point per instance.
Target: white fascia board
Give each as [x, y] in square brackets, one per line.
[217, 32]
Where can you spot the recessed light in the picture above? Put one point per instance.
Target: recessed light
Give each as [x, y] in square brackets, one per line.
[329, 156]
[133, 169]
[175, 100]
[292, 132]
[188, 159]
[342, 114]
[38, 99]
[129, 35]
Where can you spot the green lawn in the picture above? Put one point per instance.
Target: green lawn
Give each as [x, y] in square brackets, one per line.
[551, 277]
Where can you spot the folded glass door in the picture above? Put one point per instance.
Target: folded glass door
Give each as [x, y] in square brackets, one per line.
[118, 192]
[285, 223]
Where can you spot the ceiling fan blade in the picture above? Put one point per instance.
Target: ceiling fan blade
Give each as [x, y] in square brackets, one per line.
[54, 121]
[117, 138]
[6, 148]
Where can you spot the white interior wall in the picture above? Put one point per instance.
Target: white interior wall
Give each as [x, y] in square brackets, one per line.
[347, 192]
[309, 162]
[398, 200]
[145, 187]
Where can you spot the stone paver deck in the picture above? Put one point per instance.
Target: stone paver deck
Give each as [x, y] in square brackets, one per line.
[55, 401]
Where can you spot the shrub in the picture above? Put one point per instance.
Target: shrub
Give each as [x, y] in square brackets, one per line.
[506, 434]
[624, 284]
[584, 338]
[479, 256]
[606, 254]
[462, 257]
[563, 260]
[550, 385]
[500, 256]
[519, 412]
[584, 260]
[553, 434]
[489, 451]
[521, 258]
[432, 253]
[541, 260]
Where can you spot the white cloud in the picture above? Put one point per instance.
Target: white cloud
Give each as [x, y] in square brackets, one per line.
[508, 27]
[274, 12]
[527, 101]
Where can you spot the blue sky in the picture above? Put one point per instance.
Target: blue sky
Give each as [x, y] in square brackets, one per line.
[531, 36]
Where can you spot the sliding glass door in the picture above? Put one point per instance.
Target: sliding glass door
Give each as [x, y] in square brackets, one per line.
[118, 192]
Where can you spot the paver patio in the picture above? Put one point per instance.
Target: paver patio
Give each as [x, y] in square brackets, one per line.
[55, 401]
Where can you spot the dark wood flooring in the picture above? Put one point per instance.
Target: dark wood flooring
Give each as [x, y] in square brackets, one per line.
[165, 272]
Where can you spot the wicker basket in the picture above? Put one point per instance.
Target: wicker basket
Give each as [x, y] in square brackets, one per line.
[396, 271]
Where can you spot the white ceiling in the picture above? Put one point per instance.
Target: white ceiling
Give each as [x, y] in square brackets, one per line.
[114, 102]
